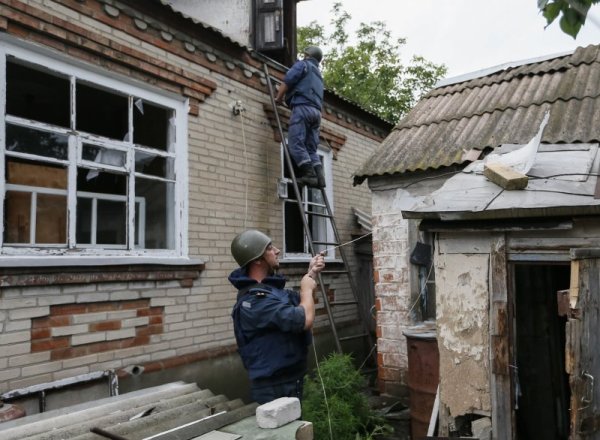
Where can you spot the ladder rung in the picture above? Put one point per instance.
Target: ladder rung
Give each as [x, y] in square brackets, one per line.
[333, 272]
[343, 303]
[318, 214]
[347, 338]
[332, 243]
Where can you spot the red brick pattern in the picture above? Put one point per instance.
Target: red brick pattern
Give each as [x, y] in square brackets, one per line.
[55, 332]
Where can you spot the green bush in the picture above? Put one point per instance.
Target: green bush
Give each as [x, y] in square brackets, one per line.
[346, 407]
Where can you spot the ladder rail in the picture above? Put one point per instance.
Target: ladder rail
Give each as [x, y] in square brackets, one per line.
[311, 243]
[290, 166]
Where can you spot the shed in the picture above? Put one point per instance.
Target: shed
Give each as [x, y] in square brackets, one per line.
[514, 274]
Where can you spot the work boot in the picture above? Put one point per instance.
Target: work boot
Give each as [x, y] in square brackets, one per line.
[307, 176]
[320, 176]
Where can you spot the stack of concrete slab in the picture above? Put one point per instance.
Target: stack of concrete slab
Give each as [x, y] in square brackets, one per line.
[174, 411]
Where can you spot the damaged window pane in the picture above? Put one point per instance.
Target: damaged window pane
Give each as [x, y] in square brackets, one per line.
[155, 223]
[101, 112]
[104, 156]
[151, 125]
[101, 207]
[154, 165]
[41, 143]
[36, 195]
[87, 155]
[37, 95]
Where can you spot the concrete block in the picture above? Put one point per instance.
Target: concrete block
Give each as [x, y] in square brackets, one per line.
[279, 412]
[482, 428]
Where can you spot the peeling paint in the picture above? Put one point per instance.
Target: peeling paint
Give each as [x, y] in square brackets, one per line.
[463, 330]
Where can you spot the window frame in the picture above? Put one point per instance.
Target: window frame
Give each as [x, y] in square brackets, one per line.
[47, 60]
[327, 159]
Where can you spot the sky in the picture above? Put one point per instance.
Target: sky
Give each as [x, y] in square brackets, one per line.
[465, 35]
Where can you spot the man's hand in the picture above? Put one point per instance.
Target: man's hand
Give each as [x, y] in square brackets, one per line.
[281, 93]
[316, 265]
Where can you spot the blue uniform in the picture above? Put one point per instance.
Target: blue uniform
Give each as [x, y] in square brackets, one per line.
[305, 98]
[269, 330]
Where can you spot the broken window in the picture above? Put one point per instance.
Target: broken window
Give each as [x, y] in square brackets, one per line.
[86, 151]
[296, 244]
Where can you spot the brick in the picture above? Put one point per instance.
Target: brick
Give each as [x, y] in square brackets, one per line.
[40, 333]
[16, 303]
[89, 317]
[38, 369]
[14, 326]
[68, 309]
[57, 299]
[135, 322]
[28, 359]
[63, 374]
[69, 330]
[88, 338]
[139, 304]
[105, 325]
[120, 334]
[59, 321]
[49, 344]
[9, 374]
[79, 361]
[123, 295]
[34, 312]
[121, 314]
[101, 307]
[93, 296]
[15, 349]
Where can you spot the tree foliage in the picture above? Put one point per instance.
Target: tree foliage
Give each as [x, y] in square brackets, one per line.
[573, 13]
[370, 71]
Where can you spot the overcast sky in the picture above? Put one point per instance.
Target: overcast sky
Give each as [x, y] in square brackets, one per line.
[465, 35]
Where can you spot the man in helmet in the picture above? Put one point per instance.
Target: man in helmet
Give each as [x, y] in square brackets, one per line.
[302, 88]
[271, 324]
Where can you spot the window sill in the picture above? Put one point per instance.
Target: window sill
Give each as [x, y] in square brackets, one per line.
[39, 271]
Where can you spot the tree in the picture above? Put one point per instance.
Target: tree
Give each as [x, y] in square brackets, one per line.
[370, 72]
[574, 13]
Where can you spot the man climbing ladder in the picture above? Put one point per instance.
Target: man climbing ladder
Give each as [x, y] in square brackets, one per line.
[302, 89]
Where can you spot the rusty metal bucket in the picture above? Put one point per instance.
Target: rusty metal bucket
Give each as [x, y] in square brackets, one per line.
[423, 376]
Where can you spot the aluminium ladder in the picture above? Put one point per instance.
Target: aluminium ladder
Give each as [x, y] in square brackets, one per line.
[304, 214]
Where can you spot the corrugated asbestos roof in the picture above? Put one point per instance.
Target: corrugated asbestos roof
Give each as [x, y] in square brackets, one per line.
[504, 107]
[171, 411]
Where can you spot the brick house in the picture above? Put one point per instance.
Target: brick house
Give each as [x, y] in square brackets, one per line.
[137, 142]
[512, 278]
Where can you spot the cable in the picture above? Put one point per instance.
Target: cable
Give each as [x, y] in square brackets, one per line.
[324, 392]
[241, 113]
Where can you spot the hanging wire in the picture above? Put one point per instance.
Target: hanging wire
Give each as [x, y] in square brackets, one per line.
[241, 113]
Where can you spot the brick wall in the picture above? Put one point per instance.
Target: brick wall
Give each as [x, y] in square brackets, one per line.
[392, 290]
[62, 327]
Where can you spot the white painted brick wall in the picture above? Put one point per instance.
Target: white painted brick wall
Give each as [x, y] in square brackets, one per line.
[194, 318]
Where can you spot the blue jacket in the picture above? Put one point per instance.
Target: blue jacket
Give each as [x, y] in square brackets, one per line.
[305, 84]
[269, 326]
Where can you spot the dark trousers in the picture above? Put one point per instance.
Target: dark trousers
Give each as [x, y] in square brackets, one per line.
[303, 135]
[262, 392]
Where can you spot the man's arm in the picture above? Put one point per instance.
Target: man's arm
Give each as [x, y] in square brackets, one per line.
[308, 285]
[283, 88]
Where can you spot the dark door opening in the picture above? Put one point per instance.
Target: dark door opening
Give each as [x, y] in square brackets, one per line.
[541, 384]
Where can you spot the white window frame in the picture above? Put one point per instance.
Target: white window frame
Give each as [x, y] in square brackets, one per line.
[327, 159]
[177, 235]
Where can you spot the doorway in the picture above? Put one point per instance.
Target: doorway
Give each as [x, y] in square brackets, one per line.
[541, 385]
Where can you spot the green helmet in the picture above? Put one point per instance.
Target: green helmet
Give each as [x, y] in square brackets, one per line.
[314, 52]
[248, 246]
